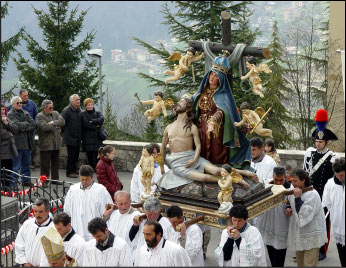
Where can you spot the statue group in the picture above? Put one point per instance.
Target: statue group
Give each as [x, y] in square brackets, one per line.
[210, 152]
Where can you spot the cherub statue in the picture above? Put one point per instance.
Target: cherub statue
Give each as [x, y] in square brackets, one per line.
[253, 75]
[146, 166]
[184, 63]
[229, 176]
[252, 118]
[158, 106]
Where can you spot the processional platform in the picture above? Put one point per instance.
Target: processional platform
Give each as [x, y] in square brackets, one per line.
[193, 207]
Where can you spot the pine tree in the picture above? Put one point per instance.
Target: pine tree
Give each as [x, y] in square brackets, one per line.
[196, 20]
[276, 92]
[7, 47]
[58, 73]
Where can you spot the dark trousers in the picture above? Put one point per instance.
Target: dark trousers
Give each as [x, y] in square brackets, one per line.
[276, 256]
[342, 254]
[72, 159]
[324, 248]
[50, 163]
[21, 165]
[92, 159]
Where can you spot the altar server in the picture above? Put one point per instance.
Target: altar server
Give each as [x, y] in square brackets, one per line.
[192, 235]
[241, 244]
[28, 248]
[273, 225]
[158, 251]
[120, 221]
[334, 200]
[73, 242]
[152, 209]
[307, 228]
[85, 200]
[105, 249]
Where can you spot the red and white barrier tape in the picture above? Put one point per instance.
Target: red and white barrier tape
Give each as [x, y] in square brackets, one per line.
[7, 249]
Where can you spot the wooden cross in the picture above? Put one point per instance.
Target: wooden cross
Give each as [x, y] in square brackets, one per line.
[226, 43]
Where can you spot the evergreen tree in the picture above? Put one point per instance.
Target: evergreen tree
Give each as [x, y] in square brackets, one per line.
[58, 72]
[197, 20]
[276, 92]
[7, 47]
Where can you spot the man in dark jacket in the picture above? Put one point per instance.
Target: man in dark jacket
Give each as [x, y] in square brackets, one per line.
[29, 106]
[24, 139]
[72, 134]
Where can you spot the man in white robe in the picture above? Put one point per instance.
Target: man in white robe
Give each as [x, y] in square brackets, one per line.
[158, 251]
[85, 200]
[136, 184]
[192, 235]
[152, 209]
[28, 248]
[241, 244]
[73, 242]
[334, 199]
[105, 249]
[260, 162]
[307, 228]
[273, 225]
[120, 221]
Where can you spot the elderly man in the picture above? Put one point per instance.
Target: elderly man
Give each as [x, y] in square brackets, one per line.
[29, 106]
[85, 200]
[136, 185]
[241, 244]
[120, 221]
[158, 251]
[334, 200]
[72, 242]
[54, 250]
[193, 235]
[273, 225]
[72, 134]
[24, 139]
[152, 208]
[49, 128]
[106, 249]
[307, 228]
[28, 247]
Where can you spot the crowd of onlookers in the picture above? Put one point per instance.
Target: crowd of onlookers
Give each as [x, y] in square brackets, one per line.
[73, 127]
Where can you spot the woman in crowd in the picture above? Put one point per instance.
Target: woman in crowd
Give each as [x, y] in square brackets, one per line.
[271, 151]
[106, 173]
[8, 145]
[91, 122]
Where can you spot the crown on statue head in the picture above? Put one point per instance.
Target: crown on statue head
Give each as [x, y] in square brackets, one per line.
[221, 63]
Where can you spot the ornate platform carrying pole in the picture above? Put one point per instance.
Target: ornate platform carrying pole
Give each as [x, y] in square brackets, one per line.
[227, 45]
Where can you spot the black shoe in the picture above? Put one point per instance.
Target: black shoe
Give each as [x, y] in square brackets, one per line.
[27, 184]
[56, 182]
[321, 257]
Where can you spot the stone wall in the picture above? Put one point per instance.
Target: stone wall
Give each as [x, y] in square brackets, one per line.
[128, 155]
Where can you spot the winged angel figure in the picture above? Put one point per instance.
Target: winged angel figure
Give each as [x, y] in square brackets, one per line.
[253, 75]
[184, 63]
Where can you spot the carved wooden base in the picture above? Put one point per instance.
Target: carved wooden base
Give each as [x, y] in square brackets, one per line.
[215, 219]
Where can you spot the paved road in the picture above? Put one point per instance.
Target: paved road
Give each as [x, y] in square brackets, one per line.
[125, 177]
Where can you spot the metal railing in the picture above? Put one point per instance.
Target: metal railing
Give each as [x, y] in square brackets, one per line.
[13, 185]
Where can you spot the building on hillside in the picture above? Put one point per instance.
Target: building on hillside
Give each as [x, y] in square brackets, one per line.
[117, 56]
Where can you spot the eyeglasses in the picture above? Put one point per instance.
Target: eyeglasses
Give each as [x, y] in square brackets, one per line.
[19, 103]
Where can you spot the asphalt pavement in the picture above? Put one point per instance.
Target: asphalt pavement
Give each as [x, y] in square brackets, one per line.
[332, 259]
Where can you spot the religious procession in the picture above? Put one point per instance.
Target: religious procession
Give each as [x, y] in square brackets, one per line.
[213, 169]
